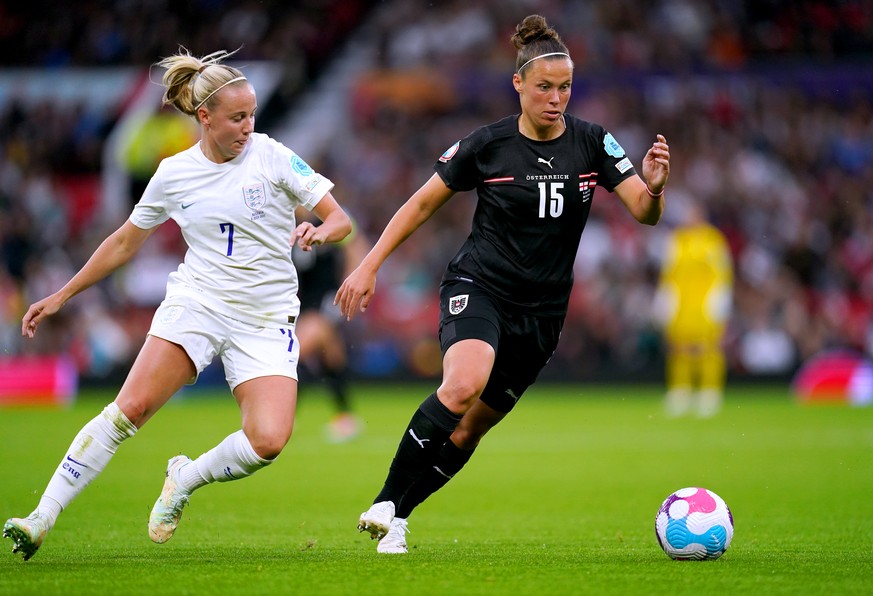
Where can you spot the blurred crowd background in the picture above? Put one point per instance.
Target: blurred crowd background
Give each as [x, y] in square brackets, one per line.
[766, 105]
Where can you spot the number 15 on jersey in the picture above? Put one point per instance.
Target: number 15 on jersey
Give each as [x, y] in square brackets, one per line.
[550, 195]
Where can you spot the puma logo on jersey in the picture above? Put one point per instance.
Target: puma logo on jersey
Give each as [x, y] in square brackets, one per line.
[441, 473]
[548, 162]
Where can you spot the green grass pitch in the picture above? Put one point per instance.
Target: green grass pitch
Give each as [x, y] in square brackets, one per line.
[560, 499]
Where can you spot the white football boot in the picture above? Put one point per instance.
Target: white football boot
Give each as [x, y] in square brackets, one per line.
[394, 542]
[377, 519]
[27, 533]
[168, 508]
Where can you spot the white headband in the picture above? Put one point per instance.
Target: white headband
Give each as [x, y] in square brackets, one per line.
[543, 56]
[219, 88]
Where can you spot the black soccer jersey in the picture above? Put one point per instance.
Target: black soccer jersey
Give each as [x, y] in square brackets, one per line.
[533, 202]
[319, 274]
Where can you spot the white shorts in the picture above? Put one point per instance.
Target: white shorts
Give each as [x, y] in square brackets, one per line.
[247, 351]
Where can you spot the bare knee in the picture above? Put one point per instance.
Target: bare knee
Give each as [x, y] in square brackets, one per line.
[269, 443]
[269, 431]
[138, 411]
[459, 394]
[267, 405]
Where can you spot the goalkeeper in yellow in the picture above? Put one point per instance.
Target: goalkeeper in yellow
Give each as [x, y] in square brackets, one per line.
[693, 304]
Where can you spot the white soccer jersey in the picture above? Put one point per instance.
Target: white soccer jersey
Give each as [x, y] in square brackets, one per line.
[237, 219]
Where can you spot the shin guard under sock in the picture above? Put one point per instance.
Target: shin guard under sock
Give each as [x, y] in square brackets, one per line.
[448, 462]
[232, 459]
[429, 428]
[88, 454]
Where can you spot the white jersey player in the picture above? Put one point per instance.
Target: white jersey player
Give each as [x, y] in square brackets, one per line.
[233, 195]
[236, 219]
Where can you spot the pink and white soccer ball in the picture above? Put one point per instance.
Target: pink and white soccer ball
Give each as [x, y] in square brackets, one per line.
[694, 524]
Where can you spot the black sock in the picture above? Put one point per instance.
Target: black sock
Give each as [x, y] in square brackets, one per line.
[429, 428]
[337, 382]
[448, 462]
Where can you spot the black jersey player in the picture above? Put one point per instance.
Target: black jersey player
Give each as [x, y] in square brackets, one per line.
[504, 295]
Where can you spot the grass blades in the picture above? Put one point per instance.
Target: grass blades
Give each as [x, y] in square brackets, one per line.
[560, 499]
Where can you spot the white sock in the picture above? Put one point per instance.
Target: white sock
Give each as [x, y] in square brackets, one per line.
[88, 454]
[232, 459]
[49, 509]
[708, 402]
[678, 401]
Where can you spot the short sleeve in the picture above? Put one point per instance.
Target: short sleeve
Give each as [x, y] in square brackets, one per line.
[297, 178]
[616, 166]
[457, 165]
[151, 210]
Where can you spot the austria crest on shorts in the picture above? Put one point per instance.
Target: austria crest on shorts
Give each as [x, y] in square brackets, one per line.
[458, 303]
[255, 196]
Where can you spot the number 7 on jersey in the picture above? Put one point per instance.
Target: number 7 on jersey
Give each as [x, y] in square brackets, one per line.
[228, 227]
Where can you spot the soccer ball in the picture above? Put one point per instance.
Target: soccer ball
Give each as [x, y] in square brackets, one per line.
[694, 524]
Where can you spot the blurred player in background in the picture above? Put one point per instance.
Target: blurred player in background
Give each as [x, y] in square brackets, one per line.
[694, 302]
[152, 138]
[504, 296]
[323, 351]
[233, 195]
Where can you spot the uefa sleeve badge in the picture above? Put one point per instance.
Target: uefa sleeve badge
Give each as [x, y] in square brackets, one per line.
[450, 152]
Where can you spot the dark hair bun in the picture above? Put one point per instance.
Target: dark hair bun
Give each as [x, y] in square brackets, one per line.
[532, 29]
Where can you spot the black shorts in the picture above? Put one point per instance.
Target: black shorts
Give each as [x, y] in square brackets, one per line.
[523, 342]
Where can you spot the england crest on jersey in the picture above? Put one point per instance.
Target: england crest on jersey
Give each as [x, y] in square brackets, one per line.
[255, 196]
[458, 303]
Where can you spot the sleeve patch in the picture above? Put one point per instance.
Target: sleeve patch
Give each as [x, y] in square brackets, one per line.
[300, 166]
[624, 165]
[310, 186]
[613, 149]
[450, 152]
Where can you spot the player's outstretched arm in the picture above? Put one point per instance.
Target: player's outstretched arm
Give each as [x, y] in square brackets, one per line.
[112, 253]
[358, 288]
